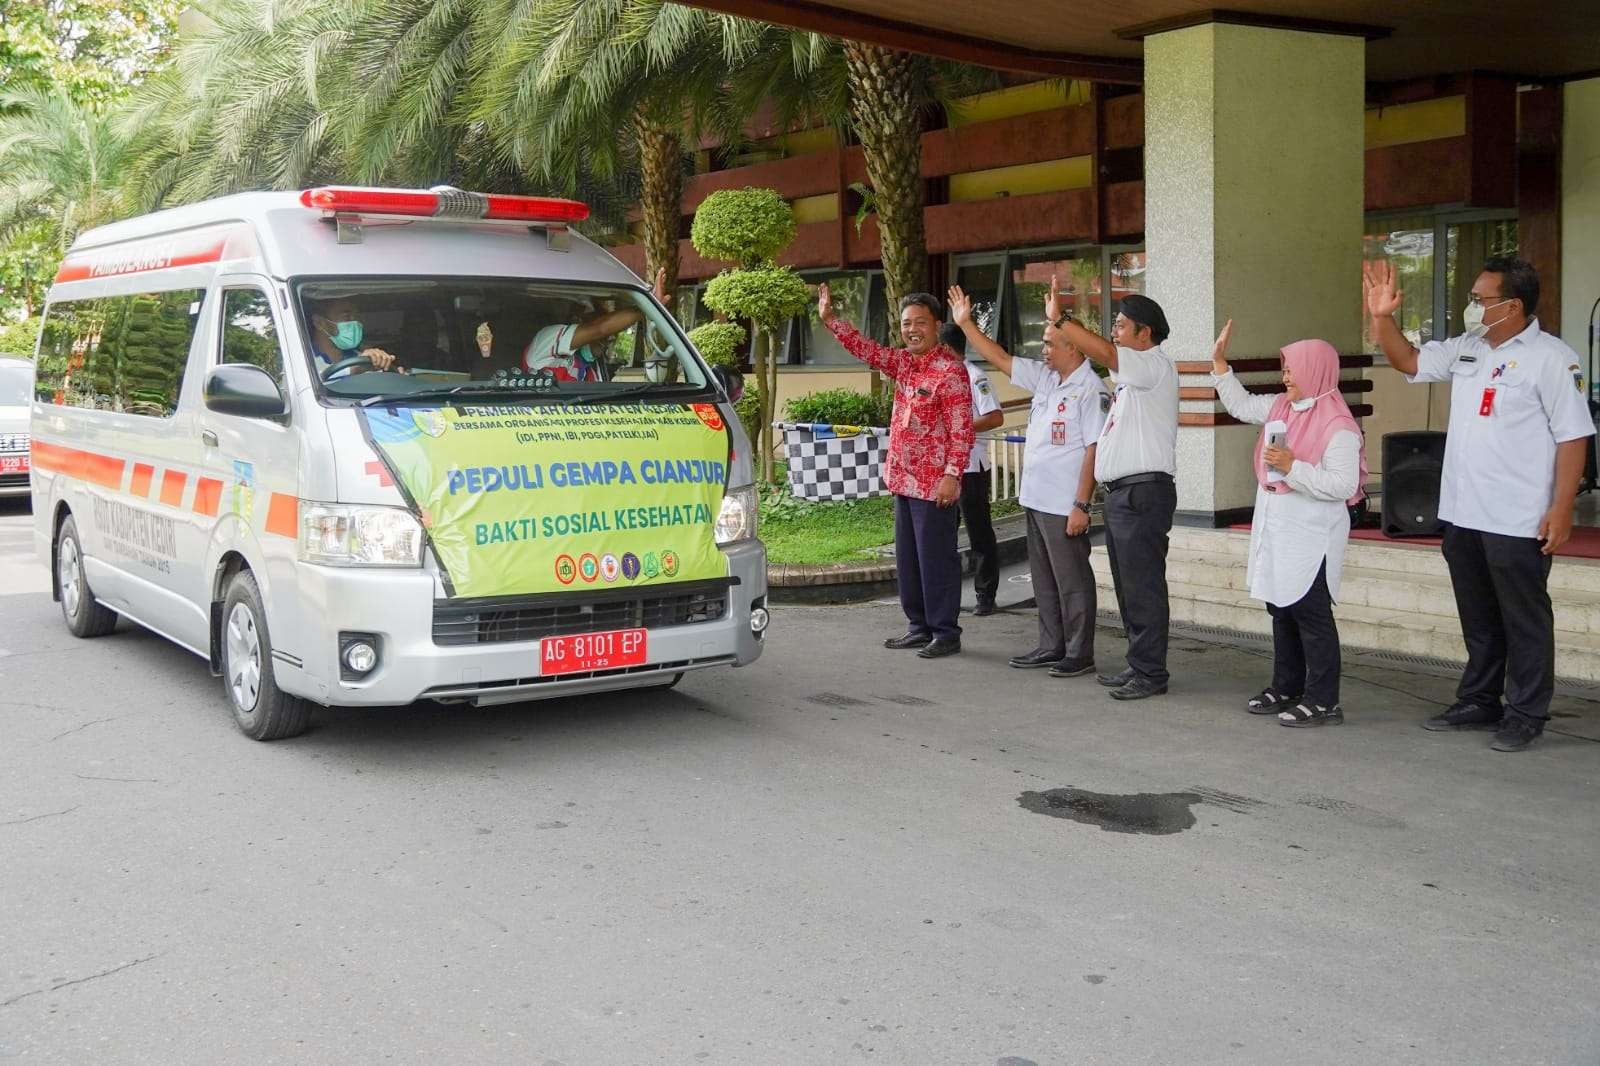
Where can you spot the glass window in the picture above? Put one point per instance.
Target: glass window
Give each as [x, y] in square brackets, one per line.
[1127, 268]
[1408, 244]
[248, 333]
[1468, 244]
[16, 385]
[809, 342]
[557, 339]
[980, 279]
[119, 353]
[1077, 274]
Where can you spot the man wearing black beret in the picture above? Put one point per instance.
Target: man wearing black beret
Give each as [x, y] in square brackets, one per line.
[1136, 461]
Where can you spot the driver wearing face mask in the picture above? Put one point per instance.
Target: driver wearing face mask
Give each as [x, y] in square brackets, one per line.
[336, 335]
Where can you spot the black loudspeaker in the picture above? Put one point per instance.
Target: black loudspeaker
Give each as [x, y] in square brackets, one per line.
[1412, 466]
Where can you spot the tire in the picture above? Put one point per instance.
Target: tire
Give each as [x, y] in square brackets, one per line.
[261, 710]
[85, 615]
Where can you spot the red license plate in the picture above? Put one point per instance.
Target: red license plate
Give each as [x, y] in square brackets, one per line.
[13, 464]
[580, 653]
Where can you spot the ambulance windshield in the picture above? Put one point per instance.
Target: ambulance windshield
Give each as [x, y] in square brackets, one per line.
[393, 339]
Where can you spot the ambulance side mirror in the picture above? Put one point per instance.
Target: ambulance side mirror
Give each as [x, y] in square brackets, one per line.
[732, 382]
[244, 390]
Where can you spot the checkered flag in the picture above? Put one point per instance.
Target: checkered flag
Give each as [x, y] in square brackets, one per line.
[831, 463]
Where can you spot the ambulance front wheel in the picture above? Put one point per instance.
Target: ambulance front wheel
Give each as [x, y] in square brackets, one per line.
[85, 616]
[260, 709]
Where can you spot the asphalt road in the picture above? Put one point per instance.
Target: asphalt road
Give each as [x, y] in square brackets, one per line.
[840, 855]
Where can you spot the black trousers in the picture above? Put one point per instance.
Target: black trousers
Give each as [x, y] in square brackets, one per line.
[928, 566]
[1507, 622]
[1305, 646]
[1138, 519]
[980, 534]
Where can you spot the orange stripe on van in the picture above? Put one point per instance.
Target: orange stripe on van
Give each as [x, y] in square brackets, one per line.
[103, 470]
[142, 474]
[283, 515]
[207, 496]
[172, 486]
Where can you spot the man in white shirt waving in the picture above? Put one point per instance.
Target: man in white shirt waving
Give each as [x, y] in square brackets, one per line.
[1519, 435]
[1136, 461]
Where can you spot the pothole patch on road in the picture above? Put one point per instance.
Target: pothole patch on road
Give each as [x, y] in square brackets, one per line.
[1148, 813]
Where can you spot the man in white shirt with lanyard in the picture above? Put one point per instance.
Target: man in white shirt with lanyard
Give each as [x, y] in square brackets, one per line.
[986, 415]
[1136, 461]
[1519, 436]
[1068, 408]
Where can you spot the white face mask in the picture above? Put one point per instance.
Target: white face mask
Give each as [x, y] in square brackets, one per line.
[1472, 317]
[1309, 402]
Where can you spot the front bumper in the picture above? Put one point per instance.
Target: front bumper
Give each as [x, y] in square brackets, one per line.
[398, 608]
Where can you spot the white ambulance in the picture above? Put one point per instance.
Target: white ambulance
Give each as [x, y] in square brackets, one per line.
[371, 446]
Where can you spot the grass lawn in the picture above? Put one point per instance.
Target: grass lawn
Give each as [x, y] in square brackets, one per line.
[798, 532]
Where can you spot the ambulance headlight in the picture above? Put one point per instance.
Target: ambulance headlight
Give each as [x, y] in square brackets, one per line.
[337, 535]
[737, 519]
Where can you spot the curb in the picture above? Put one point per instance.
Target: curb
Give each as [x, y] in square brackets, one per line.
[823, 583]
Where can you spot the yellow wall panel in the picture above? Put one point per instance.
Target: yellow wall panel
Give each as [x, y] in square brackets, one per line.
[1425, 120]
[1018, 100]
[824, 208]
[1022, 180]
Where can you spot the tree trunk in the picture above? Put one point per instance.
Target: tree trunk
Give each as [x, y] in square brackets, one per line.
[769, 399]
[886, 110]
[660, 197]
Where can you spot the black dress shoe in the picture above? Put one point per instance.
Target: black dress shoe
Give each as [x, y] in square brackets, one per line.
[938, 649]
[1034, 660]
[910, 640]
[1116, 680]
[1072, 668]
[1465, 716]
[1140, 688]
[984, 608]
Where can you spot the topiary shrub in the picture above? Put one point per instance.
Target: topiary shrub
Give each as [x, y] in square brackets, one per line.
[718, 343]
[745, 226]
[749, 410]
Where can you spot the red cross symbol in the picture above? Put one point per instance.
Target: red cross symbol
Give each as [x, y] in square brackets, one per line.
[381, 472]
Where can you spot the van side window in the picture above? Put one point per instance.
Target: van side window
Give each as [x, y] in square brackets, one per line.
[119, 353]
[248, 335]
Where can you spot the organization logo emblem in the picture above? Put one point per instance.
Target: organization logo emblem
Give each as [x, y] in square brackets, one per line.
[609, 567]
[630, 566]
[430, 420]
[652, 567]
[669, 563]
[566, 569]
[588, 566]
[708, 415]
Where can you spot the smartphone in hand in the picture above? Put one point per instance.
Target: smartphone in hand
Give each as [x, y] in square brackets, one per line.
[1277, 432]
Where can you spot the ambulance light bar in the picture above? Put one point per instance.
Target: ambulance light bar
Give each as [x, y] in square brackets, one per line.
[443, 202]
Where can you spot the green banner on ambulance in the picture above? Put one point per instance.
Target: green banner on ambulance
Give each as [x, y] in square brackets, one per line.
[521, 499]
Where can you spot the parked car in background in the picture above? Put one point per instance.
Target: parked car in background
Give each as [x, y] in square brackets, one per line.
[16, 393]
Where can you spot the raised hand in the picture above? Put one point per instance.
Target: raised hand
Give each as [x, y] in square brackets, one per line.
[1382, 289]
[1052, 302]
[960, 306]
[660, 287]
[1219, 351]
[824, 303]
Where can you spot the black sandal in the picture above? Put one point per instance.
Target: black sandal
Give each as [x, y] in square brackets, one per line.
[1301, 716]
[1270, 701]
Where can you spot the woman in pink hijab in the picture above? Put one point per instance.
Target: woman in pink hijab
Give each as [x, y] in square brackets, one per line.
[1310, 466]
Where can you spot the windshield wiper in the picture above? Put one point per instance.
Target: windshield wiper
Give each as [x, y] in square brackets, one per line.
[634, 390]
[476, 391]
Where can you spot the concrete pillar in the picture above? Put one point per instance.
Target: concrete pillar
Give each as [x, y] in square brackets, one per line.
[1253, 211]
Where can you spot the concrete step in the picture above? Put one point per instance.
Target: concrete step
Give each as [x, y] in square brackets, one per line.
[1416, 632]
[1409, 558]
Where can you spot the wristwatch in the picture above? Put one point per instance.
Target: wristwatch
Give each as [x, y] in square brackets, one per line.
[1082, 505]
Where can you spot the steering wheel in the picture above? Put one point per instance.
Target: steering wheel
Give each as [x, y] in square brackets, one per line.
[658, 355]
[344, 364]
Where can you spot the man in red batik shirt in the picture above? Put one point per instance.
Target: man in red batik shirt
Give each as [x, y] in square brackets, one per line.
[929, 440]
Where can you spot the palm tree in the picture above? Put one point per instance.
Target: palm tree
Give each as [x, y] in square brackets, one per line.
[59, 162]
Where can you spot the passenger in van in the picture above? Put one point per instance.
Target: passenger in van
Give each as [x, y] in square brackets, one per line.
[564, 348]
[336, 334]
